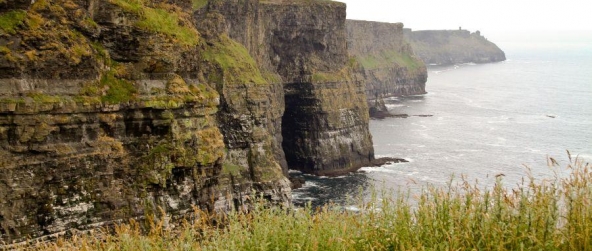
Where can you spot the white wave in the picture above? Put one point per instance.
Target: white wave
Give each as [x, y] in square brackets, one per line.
[391, 106]
[379, 170]
[383, 156]
[309, 184]
[302, 197]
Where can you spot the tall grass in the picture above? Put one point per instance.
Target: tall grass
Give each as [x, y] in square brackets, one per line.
[551, 214]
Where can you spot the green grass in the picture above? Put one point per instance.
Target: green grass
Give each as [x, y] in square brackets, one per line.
[118, 90]
[160, 20]
[554, 214]
[389, 58]
[11, 19]
[237, 65]
[198, 4]
[339, 76]
[228, 168]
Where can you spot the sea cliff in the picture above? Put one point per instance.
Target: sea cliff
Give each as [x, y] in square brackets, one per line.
[389, 64]
[325, 123]
[448, 47]
[118, 109]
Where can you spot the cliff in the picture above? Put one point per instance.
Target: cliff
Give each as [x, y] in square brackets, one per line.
[118, 109]
[325, 124]
[447, 47]
[389, 64]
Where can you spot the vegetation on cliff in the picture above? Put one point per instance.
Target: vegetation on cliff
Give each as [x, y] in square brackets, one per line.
[10, 20]
[162, 18]
[551, 214]
[109, 109]
[236, 64]
[390, 58]
[389, 64]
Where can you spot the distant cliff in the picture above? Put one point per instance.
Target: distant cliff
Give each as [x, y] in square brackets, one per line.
[388, 61]
[446, 47]
[110, 110]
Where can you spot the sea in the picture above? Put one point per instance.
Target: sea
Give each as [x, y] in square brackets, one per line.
[480, 123]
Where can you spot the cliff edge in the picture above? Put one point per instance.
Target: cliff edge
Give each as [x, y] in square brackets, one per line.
[325, 123]
[389, 64]
[448, 47]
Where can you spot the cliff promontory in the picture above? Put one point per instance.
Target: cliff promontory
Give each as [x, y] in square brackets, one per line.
[118, 109]
[388, 61]
[325, 123]
[447, 47]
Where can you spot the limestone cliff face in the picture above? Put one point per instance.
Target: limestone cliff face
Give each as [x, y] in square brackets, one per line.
[447, 47]
[301, 45]
[390, 67]
[111, 110]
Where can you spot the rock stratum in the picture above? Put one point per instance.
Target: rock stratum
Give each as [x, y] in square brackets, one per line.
[448, 47]
[118, 109]
[389, 64]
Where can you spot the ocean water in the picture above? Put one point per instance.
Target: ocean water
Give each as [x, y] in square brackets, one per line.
[482, 120]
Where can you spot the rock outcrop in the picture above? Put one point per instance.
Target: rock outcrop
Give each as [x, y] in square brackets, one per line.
[117, 109]
[448, 47]
[325, 124]
[389, 64]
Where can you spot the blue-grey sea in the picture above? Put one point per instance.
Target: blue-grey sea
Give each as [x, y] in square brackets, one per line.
[483, 120]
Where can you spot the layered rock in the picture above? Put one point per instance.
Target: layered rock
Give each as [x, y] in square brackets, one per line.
[118, 109]
[325, 124]
[448, 47]
[390, 66]
[107, 112]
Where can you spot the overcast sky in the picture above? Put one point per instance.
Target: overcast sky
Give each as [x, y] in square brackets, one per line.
[484, 15]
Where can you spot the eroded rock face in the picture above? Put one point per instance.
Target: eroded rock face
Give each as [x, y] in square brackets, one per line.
[107, 113]
[448, 47]
[390, 66]
[302, 45]
[106, 117]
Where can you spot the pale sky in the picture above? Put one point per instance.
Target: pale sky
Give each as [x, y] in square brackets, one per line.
[484, 15]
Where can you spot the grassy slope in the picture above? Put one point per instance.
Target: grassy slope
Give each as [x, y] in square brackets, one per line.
[549, 215]
[389, 58]
[233, 58]
[161, 19]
